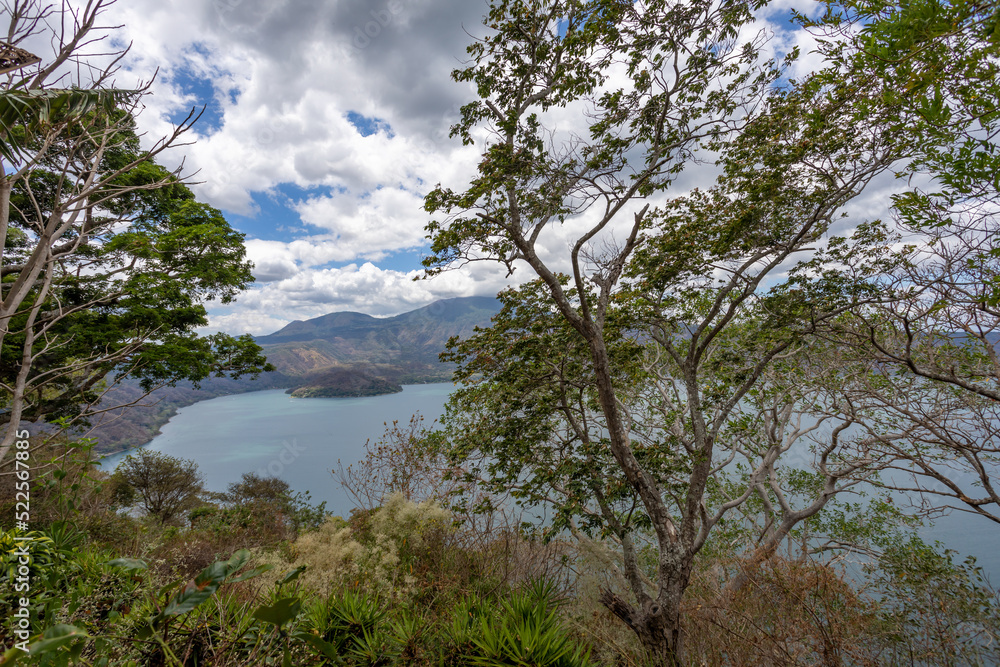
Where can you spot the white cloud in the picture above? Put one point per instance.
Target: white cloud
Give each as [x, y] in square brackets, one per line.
[364, 288]
[283, 76]
[286, 74]
[387, 219]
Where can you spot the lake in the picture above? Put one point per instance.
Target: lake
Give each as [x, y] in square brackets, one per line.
[301, 439]
[296, 439]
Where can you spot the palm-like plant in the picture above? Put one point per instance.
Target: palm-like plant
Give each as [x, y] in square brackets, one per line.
[24, 111]
[28, 112]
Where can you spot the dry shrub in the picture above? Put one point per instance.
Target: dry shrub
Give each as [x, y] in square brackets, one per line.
[66, 484]
[329, 553]
[788, 613]
[611, 642]
[919, 608]
[185, 554]
[508, 557]
[254, 524]
[215, 535]
[598, 568]
[402, 462]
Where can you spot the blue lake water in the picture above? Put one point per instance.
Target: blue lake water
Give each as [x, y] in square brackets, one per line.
[297, 439]
[301, 440]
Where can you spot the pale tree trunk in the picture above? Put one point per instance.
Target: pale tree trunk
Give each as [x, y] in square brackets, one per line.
[5, 189]
[655, 621]
[20, 383]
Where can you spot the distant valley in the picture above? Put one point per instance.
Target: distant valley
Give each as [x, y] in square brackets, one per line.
[335, 355]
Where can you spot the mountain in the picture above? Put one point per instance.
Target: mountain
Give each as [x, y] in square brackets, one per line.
[339, 354]
[410, 342]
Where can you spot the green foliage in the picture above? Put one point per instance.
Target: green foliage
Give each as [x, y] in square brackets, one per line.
[131, 281]
[939, 63]
[528, 632]
[633, 392]
[201, 588]
[24, 113]
[165, 485]
[559, 54]
[130, 612]
[521, 421]
[936, 610]
[47, 649]
[72, 593]
[280, 613]
[346, 618]
[619, 394]
[264, 506]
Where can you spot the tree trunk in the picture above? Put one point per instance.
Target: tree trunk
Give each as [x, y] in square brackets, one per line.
[5, 189]
[658, 627]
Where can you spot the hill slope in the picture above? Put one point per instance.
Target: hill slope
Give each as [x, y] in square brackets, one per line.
[411, 341]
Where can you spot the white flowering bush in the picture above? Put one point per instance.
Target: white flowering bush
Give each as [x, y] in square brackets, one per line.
[384, 553]
[402, 533]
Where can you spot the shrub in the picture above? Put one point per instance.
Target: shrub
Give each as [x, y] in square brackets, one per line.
[403, 538]
[329, 554]
[381, 551]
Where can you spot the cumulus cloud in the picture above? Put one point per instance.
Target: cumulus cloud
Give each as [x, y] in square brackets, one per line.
[384, 220]
[363, 288]
[285, 76]
[286, 82]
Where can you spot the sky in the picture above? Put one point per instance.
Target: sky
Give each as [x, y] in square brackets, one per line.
[325, 123]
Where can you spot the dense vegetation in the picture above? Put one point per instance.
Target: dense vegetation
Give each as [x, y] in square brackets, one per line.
[756, 346]
[336, 382]
[259, 576]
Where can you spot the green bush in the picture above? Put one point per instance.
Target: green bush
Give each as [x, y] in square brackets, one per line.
[934, 609]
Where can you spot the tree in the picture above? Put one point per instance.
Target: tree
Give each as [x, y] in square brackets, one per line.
[709, 295]
[165, 485]
[928, 348]
[930, 340]
[107, 259]
[252, 489]
[271, 500]
[404, 461]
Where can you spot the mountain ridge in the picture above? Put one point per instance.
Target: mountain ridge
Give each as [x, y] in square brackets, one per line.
[411, 340]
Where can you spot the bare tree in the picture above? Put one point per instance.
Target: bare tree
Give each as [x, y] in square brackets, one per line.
[929, 335]
[932, 367]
